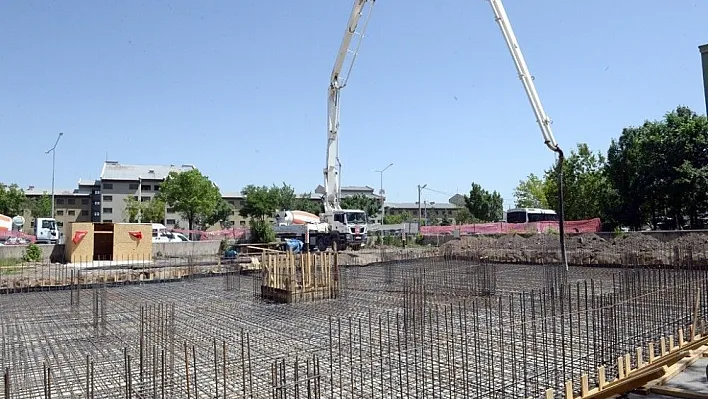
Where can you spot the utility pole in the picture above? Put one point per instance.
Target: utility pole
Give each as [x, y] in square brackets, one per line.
[54, 158]
[140, 199]
[381, 192]
[420, 211]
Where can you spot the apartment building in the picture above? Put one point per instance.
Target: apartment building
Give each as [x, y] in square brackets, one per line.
[432, 212]
[119, 182]
[69, 206]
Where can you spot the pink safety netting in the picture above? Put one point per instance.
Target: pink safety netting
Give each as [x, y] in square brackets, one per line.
[574, 226]
[16, 237]
[201, 235]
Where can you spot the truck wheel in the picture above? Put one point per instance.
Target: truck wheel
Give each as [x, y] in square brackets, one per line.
[322, 244]
[335, 241]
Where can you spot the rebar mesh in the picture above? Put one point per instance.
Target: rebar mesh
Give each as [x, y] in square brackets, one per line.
[458, 326]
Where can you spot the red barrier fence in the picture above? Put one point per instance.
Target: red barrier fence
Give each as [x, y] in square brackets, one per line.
[16, 238]
[575, 226]
[200, 235]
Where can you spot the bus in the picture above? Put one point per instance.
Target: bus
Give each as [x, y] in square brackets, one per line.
[530, 215]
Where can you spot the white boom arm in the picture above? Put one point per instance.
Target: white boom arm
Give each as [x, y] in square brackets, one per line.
[541, 118]
[331, 171]
[543, 121]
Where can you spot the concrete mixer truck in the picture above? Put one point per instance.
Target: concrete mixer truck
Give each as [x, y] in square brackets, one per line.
[316, 233]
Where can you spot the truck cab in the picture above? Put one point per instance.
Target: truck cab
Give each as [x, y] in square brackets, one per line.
[45, 230]
[351, 225]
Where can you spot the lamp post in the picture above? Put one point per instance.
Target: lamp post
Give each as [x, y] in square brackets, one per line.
[381, 191]
[420, 212]
[54, 158]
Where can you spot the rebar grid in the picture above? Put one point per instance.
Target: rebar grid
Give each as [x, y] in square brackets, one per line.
[409, 328]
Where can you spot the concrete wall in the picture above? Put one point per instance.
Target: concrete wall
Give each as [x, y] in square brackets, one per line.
[55, 253]
[183, 249]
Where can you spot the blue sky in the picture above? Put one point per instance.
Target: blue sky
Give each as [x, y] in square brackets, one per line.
[238, 88]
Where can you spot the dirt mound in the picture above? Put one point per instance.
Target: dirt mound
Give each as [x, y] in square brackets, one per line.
[636, 242]
[692, 240]
[511, 241]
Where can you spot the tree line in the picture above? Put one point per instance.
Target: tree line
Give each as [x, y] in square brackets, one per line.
[652, 176]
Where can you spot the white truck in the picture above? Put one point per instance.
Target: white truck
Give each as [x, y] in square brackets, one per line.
[45, 231]
[336, 227]
[348, 229]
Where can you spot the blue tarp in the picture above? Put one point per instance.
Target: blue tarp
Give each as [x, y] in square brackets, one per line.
[294, 245]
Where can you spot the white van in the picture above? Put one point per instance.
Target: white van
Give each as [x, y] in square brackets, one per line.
[160, 234]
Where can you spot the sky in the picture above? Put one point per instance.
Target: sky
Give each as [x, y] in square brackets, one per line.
[239, 88]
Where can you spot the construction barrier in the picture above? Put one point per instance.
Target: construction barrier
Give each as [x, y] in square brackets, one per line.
[16, 238]
[575, 226]
[201, 235]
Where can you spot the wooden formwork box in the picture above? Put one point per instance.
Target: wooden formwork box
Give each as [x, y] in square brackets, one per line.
[128, 241]
[82, 249]
[132, 242]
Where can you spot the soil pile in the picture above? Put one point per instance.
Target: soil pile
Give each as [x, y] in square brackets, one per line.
[583, 249]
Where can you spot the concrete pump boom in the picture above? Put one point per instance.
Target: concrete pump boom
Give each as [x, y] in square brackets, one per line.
[331, 171]
[542, 119]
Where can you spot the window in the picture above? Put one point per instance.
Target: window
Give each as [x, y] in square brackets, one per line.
[84, 213]
[47, 224]
[60, 212]
[135, 197]
[107, 198]
[84, 201]
[133, 186]
[60, 224]
[97, 214]
[108, 186]
[145, 187]
[72, 212]
[157, 187]
[96, 192]
[516, 217]
[242, 223]
[97, 203]
[71, 201]
[60, 201]
[144, 199]
[170, 210]
[170, 221]
[107, 210]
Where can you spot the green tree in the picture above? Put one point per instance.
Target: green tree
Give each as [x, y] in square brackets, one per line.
[260, 203]
[12, 200]
[152, 211]
[659, 172]
[360, 201]
[584, 184]
[40, 207]
[398, 219]
[463, 216]
[484, 206]
[530, 193]
[221, 215]
[191, 194]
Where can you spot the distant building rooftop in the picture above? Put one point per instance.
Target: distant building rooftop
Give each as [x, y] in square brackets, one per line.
[32, 191]
[414, 205]
[113, 170]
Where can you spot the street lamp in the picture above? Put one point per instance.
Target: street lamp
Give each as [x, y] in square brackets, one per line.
[53, 151]
[420, 212]
[381, 191]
